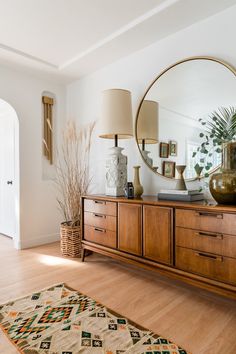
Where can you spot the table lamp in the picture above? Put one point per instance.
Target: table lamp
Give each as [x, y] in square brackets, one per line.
[147, 129]
[116, 122]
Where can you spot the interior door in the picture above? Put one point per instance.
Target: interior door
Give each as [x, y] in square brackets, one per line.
[7, 176]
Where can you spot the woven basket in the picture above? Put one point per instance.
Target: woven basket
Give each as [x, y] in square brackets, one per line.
[70, 240]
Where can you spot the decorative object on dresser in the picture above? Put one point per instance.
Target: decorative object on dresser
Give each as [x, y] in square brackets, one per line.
[129, 190]
[72, 181]
[180, 184]
[116, 123]
[193, 242]
[148, 133]
[180, 195]
[71, 323]
[138, 188]
[223, 184]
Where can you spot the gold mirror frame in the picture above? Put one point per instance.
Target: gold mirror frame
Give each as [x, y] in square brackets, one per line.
[219, 61]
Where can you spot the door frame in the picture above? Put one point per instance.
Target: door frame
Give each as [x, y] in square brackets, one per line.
[16, 184]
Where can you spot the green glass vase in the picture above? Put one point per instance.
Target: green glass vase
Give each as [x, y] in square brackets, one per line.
[223, 184]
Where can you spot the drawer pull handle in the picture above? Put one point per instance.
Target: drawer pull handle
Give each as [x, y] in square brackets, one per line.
[99, 202]
[217, 216]
[208, 234]
[99, 216]
[210, 256]
[99, 230]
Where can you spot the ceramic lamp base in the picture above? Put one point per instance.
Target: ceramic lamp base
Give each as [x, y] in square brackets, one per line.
[116, 173]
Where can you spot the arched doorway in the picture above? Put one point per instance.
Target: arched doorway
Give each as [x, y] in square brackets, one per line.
[9, 172]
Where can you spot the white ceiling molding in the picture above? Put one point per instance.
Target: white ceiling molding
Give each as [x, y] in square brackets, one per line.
[27, 56]
[69, 39]
[120, 31]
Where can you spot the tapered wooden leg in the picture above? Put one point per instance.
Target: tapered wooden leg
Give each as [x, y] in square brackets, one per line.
[82, 254]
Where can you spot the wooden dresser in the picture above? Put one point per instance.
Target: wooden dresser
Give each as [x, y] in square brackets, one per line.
[193, 242]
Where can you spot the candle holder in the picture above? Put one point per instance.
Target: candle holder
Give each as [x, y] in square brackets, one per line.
[180, 185]
[198, 169]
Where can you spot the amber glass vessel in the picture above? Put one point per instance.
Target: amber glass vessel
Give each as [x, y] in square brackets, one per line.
[223, 184]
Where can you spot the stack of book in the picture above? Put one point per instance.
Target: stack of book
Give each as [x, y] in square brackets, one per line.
[180, 195]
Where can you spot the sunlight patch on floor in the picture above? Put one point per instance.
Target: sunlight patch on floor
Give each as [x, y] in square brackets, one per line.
[55, 261]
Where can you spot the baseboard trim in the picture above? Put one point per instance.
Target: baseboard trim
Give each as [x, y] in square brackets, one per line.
[42, 240]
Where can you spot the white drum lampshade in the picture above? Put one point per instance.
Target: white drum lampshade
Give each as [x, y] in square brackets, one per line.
[116, 116]
[116, 122]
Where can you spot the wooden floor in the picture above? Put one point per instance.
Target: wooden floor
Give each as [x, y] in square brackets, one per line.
[198, 321]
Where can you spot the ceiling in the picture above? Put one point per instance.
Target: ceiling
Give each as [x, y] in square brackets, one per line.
[68, 39]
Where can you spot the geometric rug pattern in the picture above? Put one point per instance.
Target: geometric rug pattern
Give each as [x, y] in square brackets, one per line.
[60, 320]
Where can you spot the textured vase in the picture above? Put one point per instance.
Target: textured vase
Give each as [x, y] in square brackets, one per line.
[116, 172]
[138, 188]
[180, 185]
[223, 184]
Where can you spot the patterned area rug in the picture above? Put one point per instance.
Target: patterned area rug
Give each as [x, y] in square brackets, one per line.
[60, 320]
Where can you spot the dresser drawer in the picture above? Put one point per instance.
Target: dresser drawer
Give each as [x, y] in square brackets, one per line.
[206, 221]
[99, 235]
[207, 264]
[100, 220]
[100, 207]
[212, 242]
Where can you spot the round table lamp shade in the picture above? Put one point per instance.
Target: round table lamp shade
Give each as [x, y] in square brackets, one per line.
[147, 128]
[116, 114]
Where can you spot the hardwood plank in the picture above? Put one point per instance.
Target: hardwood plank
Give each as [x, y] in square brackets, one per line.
[201, 322]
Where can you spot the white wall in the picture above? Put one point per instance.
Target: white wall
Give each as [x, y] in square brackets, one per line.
[212, 37]
[39, 217]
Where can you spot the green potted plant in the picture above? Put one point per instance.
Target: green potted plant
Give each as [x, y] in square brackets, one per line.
[72, 181]
[219, 137]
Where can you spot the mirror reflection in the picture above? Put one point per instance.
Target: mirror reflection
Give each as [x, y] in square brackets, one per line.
[171, 119]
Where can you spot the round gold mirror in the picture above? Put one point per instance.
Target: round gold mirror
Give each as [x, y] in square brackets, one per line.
[173, 111]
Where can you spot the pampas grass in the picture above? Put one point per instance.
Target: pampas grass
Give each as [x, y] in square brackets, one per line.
[72, 171]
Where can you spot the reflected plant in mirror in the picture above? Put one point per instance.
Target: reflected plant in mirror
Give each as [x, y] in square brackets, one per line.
[219, 128]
